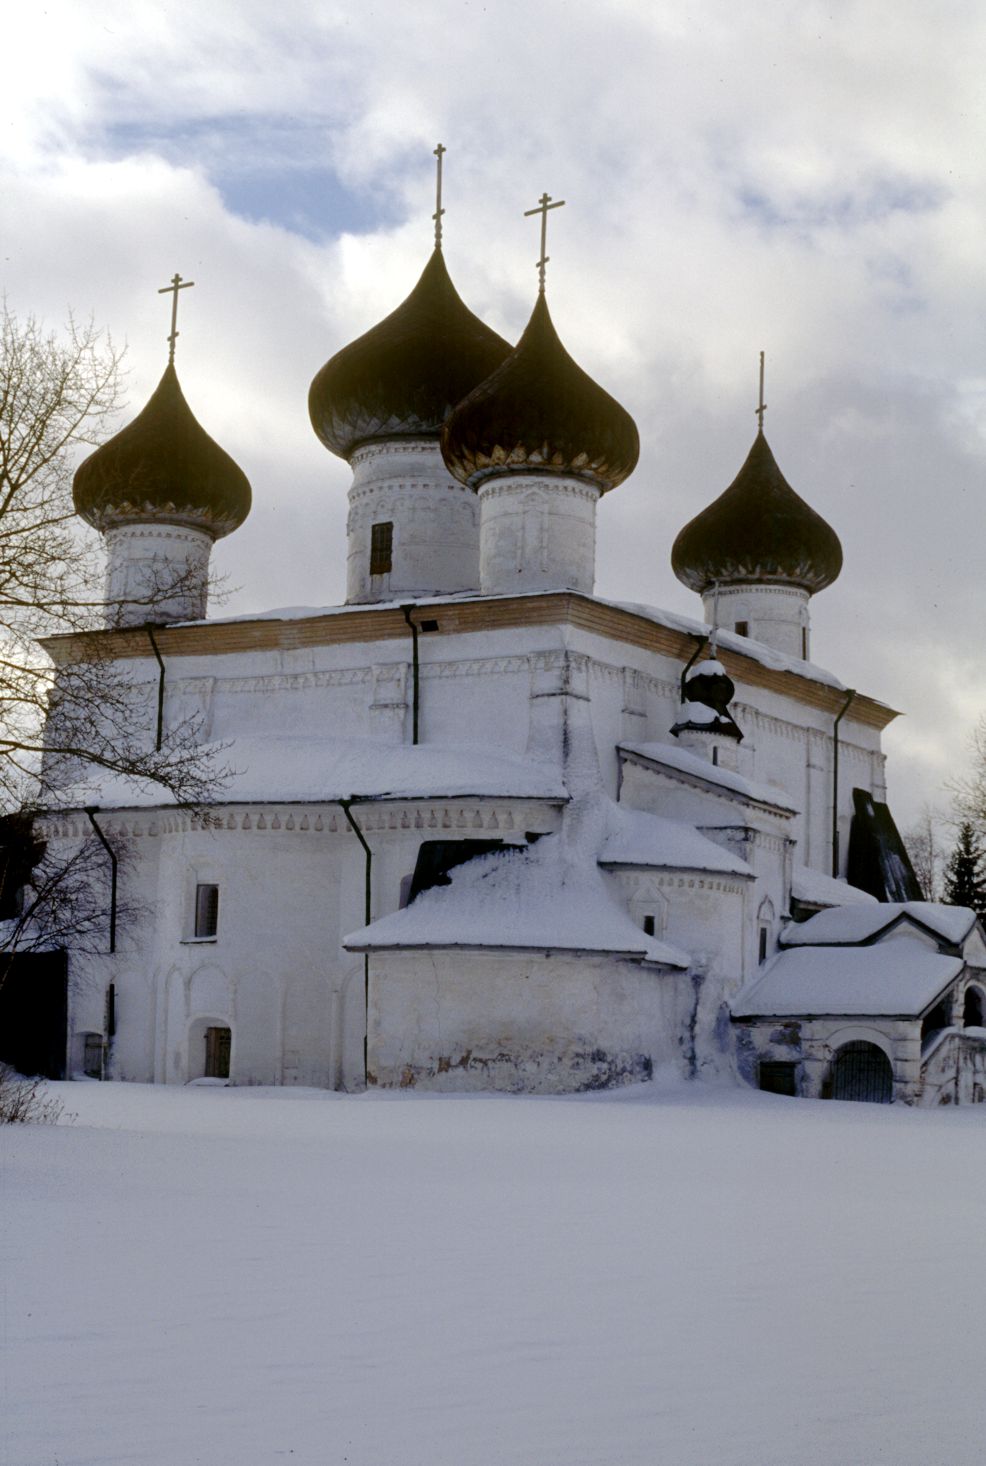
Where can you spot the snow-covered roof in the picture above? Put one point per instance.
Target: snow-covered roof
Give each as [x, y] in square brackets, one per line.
[816, 889]
[897, 979]
[310, 768]
[851, 925]
[637, 838]
[537, 897]
[696, 768]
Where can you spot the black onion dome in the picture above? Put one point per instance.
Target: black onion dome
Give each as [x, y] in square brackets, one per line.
[402, 378]
[163, 466]
[540, 412]
[758, 531]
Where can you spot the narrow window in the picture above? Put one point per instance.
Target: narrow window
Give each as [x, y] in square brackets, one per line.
[648, 926]
[763, 944]
[804, 643]
[218, 1042]
[742, 628]
[206, 911]
[381, 547]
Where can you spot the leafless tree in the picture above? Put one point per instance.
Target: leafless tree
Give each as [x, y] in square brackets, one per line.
[927, 845]
[80, 721]
[969, 793]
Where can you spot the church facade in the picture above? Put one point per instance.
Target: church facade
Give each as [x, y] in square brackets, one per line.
[482, 827]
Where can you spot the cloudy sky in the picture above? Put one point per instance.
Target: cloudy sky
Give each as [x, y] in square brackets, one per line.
[800, 177]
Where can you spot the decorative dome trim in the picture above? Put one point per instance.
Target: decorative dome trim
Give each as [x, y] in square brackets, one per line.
[402, 378]
[758, 532]
[163, 467]
[541, 413]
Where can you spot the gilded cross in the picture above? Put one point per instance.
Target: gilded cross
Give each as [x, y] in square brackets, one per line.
[762, 407]
[439, 211]
[177, 283]
[544, 204]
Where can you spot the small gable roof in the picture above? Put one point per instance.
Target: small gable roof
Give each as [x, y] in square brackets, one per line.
[857, 925]
[901, 979]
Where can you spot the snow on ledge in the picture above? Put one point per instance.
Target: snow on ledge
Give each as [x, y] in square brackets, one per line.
[681, 761]
[817, 889]
[313, 769]
[638, 838]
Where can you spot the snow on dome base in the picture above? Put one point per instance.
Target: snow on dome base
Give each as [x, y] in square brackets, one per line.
[758, 531]
[402, 378]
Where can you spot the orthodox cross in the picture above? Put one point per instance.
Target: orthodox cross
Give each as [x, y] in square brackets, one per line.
[439, 211]
[762, 407]
[544, 204]
[177, 283]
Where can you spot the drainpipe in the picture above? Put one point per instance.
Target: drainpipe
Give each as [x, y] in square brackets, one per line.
[149, 628]
[691, 662]
[92, 812]
[415, 672]
[345, 804]
[835, 780]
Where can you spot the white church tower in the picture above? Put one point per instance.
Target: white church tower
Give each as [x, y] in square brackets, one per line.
[380, 403]
[161, 492]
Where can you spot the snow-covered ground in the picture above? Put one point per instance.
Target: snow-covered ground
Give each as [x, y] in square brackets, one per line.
[680, 1276]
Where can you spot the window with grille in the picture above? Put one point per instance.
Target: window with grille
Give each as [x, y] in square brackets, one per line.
[777, 1077]
[206, 911]
[381, 548]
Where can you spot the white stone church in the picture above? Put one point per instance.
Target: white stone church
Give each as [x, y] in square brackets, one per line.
[486, 828]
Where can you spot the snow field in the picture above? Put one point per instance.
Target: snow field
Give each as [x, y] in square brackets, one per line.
[685, 1276]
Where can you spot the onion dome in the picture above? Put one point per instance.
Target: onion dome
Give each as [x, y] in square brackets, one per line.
[758, 531]
[163, 467]
[706, 696]
[403, 377]
[540, 413]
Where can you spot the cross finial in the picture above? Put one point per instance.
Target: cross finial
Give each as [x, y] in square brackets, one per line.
[177, 283]
[762, 406]
[544, 204]
[439, 211]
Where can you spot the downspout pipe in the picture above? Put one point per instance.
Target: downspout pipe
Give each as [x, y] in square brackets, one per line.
[700, 647]
[92, 812]
[415, 672]
[345, 806]
[149, 628]
[835, 779]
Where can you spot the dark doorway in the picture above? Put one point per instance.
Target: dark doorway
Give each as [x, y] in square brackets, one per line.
[218, 1042]
[972, 1010]
[861, 1071]
[34, 1013]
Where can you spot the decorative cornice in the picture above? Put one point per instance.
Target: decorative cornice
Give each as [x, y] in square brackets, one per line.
[481, 613]
[508, 816]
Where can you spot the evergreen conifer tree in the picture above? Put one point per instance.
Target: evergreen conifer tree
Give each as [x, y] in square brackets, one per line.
[965, 879]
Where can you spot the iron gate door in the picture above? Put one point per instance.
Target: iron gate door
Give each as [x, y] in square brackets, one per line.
[861, 1071]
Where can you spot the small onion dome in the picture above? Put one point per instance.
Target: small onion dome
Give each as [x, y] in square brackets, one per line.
[402, 378]
[163, 466]
[708, 692]
[758, 531]
[540, 413]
